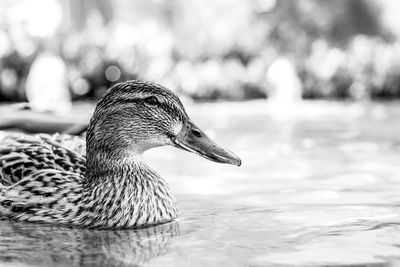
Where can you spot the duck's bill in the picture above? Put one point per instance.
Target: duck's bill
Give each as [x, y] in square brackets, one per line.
[192, 139]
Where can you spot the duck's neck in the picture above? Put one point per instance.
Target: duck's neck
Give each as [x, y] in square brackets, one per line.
[107, 156]
[120, 190]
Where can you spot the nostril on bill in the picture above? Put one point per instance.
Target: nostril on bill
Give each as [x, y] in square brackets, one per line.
[196, 133]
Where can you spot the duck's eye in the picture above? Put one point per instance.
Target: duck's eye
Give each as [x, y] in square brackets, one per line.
[151, 100]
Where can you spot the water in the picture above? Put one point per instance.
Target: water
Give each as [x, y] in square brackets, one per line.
[318, 187]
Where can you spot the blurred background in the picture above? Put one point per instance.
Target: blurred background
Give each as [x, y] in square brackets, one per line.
[303, 91]
[56, 51]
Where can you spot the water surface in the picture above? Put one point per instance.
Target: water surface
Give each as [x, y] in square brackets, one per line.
[319, 186]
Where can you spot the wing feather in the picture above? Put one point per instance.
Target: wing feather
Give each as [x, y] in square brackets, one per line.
[46, 195]
[22, 155]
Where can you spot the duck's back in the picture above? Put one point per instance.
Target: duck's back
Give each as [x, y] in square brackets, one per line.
[22, 155]
[40, 176]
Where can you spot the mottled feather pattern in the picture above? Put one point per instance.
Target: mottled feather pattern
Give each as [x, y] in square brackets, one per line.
[101, 182]
[71, 142]
[122, 93]
[21, 154]
[130, 202]
[44, 182]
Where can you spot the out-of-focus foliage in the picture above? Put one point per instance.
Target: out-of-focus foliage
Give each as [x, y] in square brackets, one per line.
[209, 49]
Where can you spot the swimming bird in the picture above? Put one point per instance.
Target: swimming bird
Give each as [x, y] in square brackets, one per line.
[103, 182]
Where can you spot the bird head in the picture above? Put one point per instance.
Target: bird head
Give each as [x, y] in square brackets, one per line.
[135, 116]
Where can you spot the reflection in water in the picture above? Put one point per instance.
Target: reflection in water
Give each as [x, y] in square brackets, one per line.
[47, 245]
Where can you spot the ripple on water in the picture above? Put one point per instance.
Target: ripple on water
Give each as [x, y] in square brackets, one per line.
[318, 189]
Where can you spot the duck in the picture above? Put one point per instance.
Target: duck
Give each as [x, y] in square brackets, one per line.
[102, 180]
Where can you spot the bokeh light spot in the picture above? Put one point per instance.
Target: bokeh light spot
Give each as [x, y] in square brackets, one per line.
[80, 86]
[113, 73]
